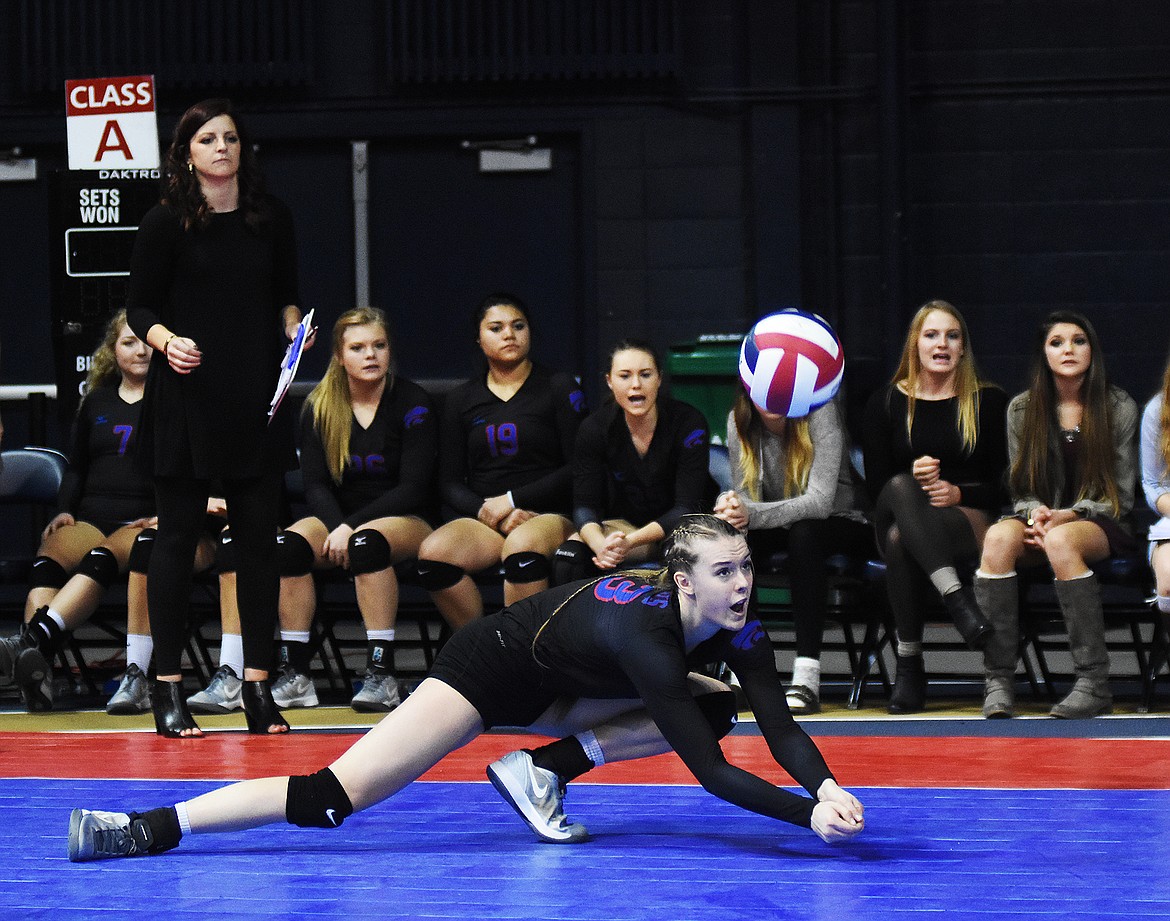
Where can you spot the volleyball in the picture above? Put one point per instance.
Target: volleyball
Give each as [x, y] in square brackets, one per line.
[791, 363]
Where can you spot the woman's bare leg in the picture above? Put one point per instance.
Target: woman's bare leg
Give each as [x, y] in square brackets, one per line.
[434, 721]
[472, 546]
[542, 535]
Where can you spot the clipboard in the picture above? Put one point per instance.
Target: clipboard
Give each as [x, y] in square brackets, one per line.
[290, 363]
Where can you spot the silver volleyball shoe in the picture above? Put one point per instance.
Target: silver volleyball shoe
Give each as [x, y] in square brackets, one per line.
[537, 796]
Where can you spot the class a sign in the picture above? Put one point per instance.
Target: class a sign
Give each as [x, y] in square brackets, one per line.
[111, 123]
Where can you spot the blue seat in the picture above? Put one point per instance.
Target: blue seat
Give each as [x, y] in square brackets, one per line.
[29, 477]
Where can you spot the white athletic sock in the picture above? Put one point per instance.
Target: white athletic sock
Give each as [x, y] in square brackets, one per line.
[806, 672]
[384, 635]
[231, 653]
[56, 618]
[139, 648]
[184, 819]
[591, 747]
[994, 575]
[295, 636]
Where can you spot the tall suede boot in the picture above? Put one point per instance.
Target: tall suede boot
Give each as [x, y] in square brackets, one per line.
[999, 599]
[1080, 603]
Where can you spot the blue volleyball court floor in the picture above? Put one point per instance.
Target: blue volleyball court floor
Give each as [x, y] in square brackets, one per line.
[968, 820]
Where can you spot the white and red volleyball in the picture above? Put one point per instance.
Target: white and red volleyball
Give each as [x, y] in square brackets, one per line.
[791, 363]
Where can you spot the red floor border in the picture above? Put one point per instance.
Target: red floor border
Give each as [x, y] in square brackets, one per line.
[860, 761]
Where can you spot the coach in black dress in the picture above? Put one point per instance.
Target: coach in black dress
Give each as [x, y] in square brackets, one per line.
[213, 282]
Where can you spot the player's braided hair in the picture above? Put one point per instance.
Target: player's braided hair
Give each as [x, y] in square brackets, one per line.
[679, 549]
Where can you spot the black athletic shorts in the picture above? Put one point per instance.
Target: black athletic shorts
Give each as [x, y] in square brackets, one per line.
[499, 678]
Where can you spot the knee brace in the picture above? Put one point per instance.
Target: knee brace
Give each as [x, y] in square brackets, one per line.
[369, 551]
[720, 711]
[572, 561]
[99, 564]
[47, 573]
[140, 552]
[526, 566]
[293, 553]
[317, 801]
[225, 552]
[435, 576]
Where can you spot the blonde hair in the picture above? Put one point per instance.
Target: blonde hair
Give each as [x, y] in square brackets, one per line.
[967, 380]
[798, 449]
[330, 401]
[103, 368]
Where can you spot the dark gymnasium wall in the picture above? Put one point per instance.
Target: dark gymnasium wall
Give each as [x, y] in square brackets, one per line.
[711, 161]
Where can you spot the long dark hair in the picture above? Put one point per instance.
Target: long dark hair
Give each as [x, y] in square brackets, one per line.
[498, 299]
[181, 189]
[1034, 472]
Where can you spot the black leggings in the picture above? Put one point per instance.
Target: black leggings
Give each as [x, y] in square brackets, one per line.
[917, 539]
[809, 543]
[253, 506]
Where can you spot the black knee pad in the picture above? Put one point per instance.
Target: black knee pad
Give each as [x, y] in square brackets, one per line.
[47, 573]
[317, 801]
[225, 552]
[526, 566]
[435, 576]
[369, 551]
[101, 565]
[294, 554]
[140, 552]
[572, 561]
[720, 710]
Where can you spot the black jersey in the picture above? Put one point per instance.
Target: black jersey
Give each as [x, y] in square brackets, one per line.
[621, 636]
[391, 463]
[890, 449]
[225, 285]
[523, 445]
[610, 479]
[103, 485]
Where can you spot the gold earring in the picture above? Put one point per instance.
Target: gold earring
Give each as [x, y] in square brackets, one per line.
[190, 167]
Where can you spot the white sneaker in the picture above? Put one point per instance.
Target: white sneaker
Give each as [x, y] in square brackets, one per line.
[537, 796]
[222, 694]
[97, 835]
[133, 694]
[378, 694]
[292, 690]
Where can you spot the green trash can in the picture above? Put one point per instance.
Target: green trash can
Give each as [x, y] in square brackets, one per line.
[705, 373]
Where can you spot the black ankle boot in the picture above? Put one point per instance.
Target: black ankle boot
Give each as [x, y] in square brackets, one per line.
[171, 716]
[975, 629]
[909, 694]
[259, 708]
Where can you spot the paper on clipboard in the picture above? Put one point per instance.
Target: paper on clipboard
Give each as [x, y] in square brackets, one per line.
[290, 363]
